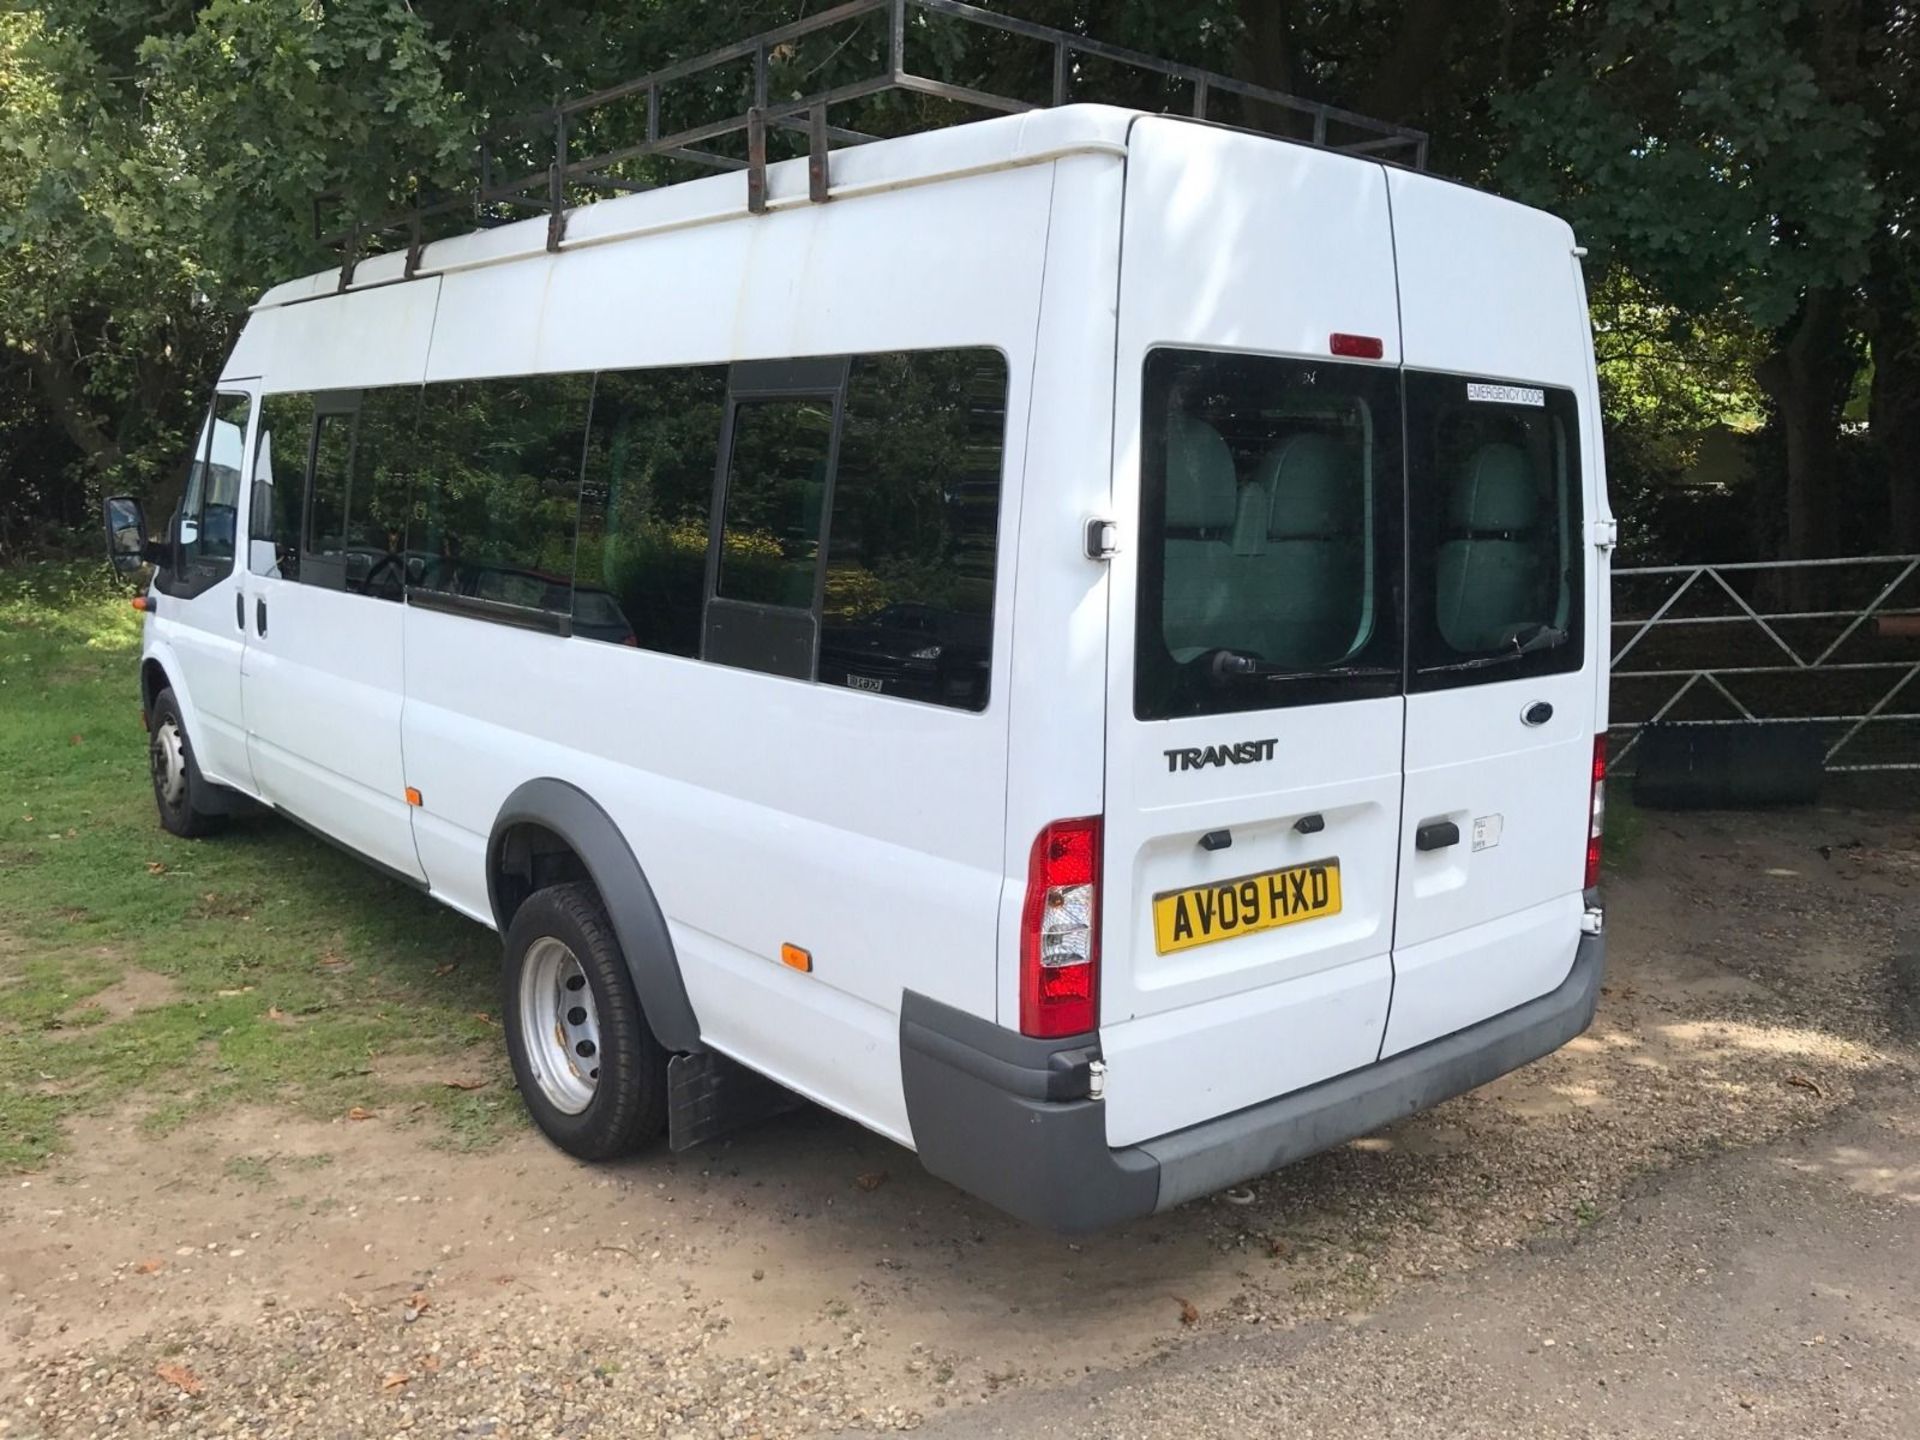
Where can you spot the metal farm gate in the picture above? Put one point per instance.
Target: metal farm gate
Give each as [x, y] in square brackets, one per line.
[1832, 646]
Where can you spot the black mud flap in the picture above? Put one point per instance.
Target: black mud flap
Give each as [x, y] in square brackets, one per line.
[709, 1095]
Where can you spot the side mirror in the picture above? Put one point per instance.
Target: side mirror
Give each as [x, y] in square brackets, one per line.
[126, 533]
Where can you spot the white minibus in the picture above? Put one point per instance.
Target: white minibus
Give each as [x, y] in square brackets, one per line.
[1076, 641]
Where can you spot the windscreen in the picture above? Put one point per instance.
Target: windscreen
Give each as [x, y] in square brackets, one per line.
[1270, 534]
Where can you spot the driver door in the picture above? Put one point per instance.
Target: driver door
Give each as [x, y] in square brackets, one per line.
[200, 615]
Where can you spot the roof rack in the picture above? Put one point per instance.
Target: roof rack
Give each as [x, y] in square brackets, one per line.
[625, 131]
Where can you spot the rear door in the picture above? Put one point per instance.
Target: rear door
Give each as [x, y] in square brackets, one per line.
[1255, 711]
[1501, 576]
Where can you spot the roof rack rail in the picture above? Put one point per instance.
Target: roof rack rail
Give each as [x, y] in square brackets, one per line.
[548, 169]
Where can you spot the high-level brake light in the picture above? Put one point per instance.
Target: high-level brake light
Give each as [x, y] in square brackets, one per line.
[1060, 932]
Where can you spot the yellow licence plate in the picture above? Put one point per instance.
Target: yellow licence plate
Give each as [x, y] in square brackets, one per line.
[1205, 913]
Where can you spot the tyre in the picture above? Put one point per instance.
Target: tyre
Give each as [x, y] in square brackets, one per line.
[585, 1059]
[179, 790]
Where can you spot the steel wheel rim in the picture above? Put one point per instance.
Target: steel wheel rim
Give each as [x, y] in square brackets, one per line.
[168, 755]
[559, 1026]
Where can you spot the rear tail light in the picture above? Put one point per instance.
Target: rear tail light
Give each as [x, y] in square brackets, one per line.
[1596, 810]
[1060, 932]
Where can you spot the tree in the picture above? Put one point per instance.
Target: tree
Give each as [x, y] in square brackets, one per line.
[1722, 156]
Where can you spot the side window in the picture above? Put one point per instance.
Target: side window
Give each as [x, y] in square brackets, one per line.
[379, 493]
[646, 495]
[1497, 580]
[775, 499]
[279, 485]
[210, 509]
[498, 490]
[908, 608]
[324, 552]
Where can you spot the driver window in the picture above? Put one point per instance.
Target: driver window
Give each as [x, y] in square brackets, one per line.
[210, 509]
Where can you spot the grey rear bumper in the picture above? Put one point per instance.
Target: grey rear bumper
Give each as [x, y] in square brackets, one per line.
[994, 1112]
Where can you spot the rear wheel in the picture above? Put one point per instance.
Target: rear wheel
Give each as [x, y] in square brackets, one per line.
[585, 1059]
[177, 782]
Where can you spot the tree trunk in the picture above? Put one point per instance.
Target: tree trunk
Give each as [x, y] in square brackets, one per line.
[1807, 377]
[1415, 58]
[1266, 57]
[1893, 407]
[66, 397]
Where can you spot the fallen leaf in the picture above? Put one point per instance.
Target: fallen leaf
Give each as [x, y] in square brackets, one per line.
[149, 1267]
[871, 1181]
[1278, 1248]
[76, 740]
[1805, 1084]
[156, 867]
[466, 1084]
[395, 1380]
[446, 969]
[1189, 1312]
[486, 1019]
[359, 1112]
[180, 1377]
[274, 1012]
[418, 1304]
[430, 1364]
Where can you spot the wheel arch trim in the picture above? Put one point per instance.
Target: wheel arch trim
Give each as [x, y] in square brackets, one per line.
[571, 814]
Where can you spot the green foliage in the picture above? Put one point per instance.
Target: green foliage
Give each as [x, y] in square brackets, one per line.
[1695, 146]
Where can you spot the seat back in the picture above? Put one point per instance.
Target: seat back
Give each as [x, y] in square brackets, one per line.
[1202, 494]
[1307, 589]
[1488, 571]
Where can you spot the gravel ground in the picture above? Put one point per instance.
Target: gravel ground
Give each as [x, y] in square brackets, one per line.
[1764, 1292]
[273, 1277]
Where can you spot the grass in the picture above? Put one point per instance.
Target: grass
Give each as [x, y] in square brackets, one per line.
[185, 977]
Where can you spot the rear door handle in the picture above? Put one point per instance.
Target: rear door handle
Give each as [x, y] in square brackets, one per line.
[1436, 835]
[240, 611]
[260, 615]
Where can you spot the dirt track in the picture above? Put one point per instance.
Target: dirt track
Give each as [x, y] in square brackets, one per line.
[258, 1273]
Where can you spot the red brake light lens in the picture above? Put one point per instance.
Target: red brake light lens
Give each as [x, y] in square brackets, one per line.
[1060, 932]
[1360, 347]
[1597, 811]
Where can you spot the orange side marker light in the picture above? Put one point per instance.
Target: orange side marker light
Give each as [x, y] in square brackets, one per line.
[413, 796]
[794, 958]
[140, 602]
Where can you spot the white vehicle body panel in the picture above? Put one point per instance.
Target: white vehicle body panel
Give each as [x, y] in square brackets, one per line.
[1239, 220]
[1480, 930]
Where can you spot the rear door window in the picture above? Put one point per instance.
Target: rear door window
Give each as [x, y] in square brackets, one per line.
[1270, 534]
[1495, 554]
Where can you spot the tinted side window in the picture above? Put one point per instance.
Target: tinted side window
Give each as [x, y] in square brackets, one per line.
[378, 497]
[499, 484]
[1494, 476]
[916, 505]
[646, 496]
[209, 512]
[775, 498]
[279, 484]
[326, 532]
[1269, 534]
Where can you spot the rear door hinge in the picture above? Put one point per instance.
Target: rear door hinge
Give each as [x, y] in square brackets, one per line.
[1606, 534]
[1102, 539]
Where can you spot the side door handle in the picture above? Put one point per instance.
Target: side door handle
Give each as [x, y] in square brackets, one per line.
[1436, 835]
[240, 611]
[260, 615]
